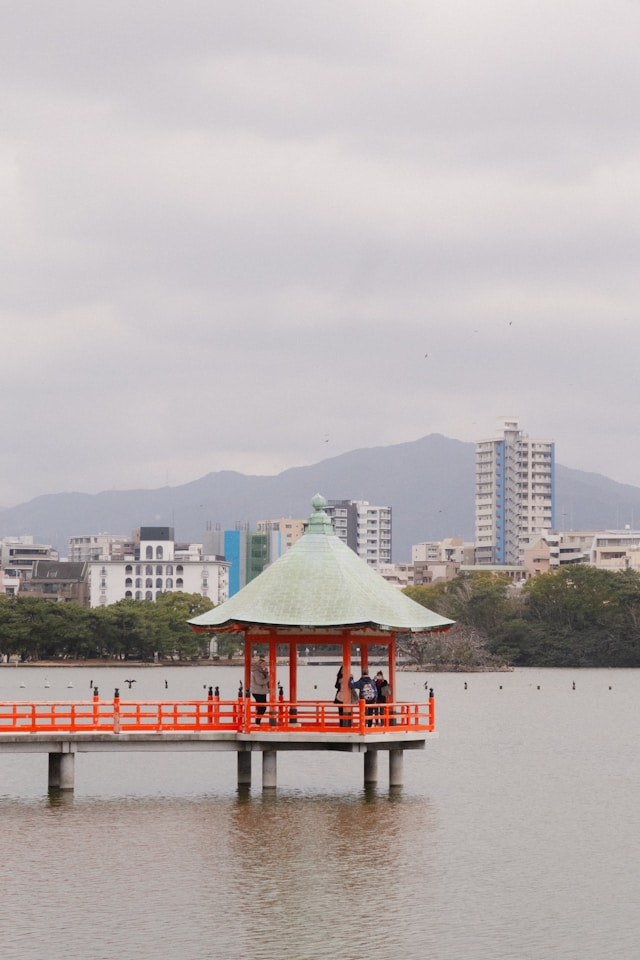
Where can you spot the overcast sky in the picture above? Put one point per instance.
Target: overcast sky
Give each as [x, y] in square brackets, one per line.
[253, 235]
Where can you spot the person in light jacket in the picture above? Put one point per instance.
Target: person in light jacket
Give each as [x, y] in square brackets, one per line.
[260, 686]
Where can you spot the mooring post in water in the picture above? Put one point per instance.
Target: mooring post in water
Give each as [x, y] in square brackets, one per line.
[116, 711]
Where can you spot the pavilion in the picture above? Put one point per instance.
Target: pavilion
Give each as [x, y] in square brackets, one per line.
[321, 593]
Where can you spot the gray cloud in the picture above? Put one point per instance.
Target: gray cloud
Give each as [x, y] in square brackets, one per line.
[233, 231]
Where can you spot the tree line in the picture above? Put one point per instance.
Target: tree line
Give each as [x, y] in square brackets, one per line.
[578, 616]
[36, 629]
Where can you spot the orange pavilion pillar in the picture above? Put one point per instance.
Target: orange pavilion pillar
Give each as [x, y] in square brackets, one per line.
[293, 671]
[247, 662]
[273, 667]
[364, 655]
[392, 665]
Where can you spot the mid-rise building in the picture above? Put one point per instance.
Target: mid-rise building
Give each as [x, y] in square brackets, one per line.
[450, 549]
[18, 556]
[515, 494]
[248, 552]
[99, 546]
[289, 530]
[616, 550]
[363, 527]
[399, 574]
[58, 580]
[159, 565]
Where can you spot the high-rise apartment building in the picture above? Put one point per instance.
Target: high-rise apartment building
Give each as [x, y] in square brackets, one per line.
[363, 527]
[515, 493]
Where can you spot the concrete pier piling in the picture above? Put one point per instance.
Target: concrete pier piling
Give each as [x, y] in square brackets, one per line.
[61, 770]
[370, 767]
[269, 769]
[62, 748]
[396, 768]
[244, 768]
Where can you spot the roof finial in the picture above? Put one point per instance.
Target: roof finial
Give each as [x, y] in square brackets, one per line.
[319, 521]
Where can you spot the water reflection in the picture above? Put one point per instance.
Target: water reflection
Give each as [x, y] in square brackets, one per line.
[59, 798]
[307, 867]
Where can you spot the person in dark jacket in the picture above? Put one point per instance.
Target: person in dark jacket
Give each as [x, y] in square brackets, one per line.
[339, 700]
[367, 691]
[381, 683]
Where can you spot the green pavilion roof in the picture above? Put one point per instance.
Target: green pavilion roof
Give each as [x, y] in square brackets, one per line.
[321, 582]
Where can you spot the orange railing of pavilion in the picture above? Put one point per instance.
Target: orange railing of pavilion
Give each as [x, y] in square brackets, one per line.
[213, 715]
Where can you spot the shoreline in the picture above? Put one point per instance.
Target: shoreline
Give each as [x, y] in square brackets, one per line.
[239, 664]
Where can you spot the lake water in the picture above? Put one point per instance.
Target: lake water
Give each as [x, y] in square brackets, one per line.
[516, 834]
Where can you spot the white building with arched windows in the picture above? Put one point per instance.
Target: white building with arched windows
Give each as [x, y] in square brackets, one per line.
[158, 566]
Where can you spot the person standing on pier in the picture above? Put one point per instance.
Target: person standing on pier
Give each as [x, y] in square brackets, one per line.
[339, 700]
[383, 691]
[367, 690]
[260, 686]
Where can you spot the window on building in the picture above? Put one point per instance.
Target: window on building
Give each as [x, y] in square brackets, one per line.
[128, 569]
[149, 553]
[169, 583]
[159, 583]
[159, 570]
[148, 595]
[148, 570]
[159, 553]
[148, 582]
[179, 583]
[169, 570]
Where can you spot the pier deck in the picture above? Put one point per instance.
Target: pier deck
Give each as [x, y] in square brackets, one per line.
[63, 729]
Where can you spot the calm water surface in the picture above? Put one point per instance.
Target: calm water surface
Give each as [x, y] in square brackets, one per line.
[516, 834]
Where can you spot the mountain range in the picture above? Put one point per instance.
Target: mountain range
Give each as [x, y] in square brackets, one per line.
[429, 483]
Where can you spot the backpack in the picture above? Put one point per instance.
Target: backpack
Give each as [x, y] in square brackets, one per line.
[369, 691]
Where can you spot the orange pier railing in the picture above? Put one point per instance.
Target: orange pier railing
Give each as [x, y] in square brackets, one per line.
[214, 715]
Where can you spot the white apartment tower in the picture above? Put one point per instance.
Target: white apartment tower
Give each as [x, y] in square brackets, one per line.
[515, 493]
[363, 527]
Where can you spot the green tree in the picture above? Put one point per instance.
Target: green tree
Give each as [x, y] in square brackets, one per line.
[177, 636]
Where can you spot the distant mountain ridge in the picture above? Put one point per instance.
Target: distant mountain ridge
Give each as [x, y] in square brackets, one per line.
[429, 483]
